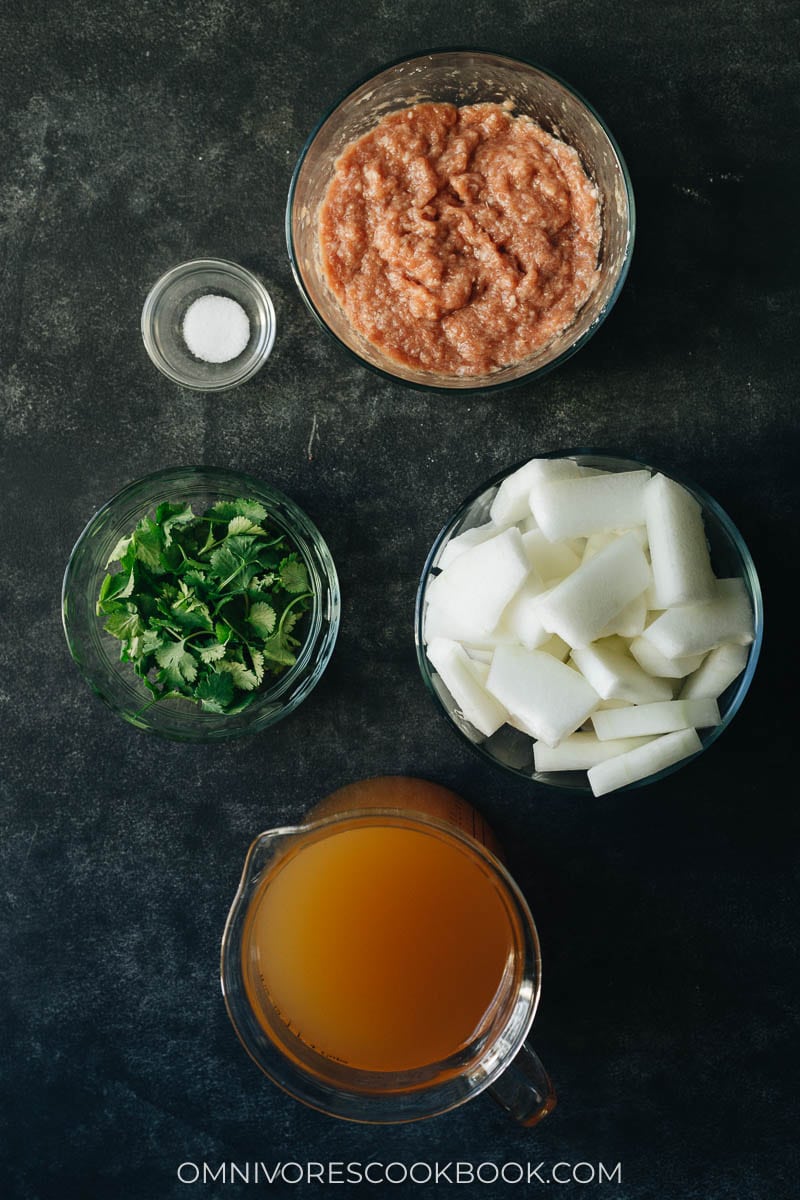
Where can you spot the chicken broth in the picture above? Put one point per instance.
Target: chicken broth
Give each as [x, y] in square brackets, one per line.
[385, 946]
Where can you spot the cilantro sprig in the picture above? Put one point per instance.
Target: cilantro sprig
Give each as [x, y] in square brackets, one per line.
[206, 607]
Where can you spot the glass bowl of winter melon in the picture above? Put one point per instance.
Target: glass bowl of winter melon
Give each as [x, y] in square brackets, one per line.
[589, 621]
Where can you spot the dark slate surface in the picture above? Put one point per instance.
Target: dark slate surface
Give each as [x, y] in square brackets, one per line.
[137, 135]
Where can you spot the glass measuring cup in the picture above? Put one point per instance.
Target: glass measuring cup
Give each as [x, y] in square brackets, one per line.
[382, 1059]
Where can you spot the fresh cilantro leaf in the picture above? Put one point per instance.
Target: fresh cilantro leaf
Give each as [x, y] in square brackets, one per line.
[251, 509]
[243, 525]
[226, 510]
[151, 641]
[261, 582]
[118, 553]
[166, 595]
[150, 545]
[222, 631]
[235, 563]
[190, 611]
[242, 677]
[262, 618]
[177, 665]
[215, 691]
[125, 624]
[225, 563]
[293, 575]
[114, 588]
[212, 653]
[257, 659]
[240, 704]
[290, 619]
[177, 574]
[169, 515]
[278, 651]
[194, 578]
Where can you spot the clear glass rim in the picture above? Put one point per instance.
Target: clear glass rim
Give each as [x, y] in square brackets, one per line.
[261, 350]
[313, 657]
[707, 737]
[463, 388]
[397, 1104]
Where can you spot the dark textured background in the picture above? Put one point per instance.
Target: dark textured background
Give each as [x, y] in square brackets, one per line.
[138, 134]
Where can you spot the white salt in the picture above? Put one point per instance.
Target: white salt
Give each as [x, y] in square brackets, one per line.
[216, 328]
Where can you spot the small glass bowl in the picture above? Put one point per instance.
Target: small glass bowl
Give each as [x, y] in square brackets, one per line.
[97, 653]
[512, 750]
[165, 308]
[461, 77]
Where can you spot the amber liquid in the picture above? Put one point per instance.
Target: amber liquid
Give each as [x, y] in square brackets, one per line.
[384, 946]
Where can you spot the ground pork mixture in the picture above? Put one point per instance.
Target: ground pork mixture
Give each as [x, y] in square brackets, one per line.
[460, 240]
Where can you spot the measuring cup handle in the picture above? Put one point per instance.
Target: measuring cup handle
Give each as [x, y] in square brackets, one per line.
[524, 1089]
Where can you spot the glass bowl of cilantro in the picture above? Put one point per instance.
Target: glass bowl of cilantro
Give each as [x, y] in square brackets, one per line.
[201, 604]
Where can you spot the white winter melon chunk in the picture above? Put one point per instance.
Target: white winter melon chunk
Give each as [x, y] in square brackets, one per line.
[719, 669]
[678, 548]
[511, 501]
[543, 694]
[521, 614]
[479, 656]
[580, 608]
[440, 621]
[465, 681]
[598, 541]
[581, 751]
[663, 716]
[629, 621]
[465, 541]
[656, 755]
[481, 672]
[696, 628]
[555, 646]
[552, 560]
[656, 663]
[616, 676]
[567, 508]
[477, 586]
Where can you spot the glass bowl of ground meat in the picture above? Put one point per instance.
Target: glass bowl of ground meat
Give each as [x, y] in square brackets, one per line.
[460, 220]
